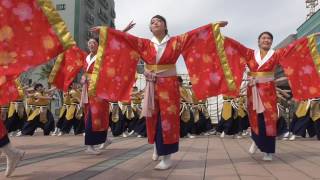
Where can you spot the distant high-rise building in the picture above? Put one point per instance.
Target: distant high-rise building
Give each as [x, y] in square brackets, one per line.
[81, 15]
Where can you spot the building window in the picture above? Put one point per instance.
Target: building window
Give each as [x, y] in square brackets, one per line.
[61, 7]
[105, 3]
[90, 18]
[90, 3]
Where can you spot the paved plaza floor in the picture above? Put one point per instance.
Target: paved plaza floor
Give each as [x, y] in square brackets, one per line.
[205, 157]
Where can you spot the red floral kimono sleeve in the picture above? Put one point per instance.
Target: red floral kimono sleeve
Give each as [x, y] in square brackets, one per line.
[10, 91]
[31, 33]
[66, 67]
[114, 70]
[213, 64]
[301, 63]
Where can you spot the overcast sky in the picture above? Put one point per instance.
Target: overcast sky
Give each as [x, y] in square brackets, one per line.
[247, 18]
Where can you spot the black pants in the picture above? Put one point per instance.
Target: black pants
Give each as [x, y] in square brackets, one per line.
[265, 143]
[93, 137]
[164, 149]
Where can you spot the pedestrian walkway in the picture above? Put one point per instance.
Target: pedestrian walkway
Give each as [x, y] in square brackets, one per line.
[130, 158]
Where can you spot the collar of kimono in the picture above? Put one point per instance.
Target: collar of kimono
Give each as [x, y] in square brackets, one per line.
[90, 60]
[160, 46]
[151, 76]
[260, 61]
[164, 40]
[254, 79]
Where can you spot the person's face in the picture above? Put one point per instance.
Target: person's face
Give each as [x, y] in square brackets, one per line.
[157, 26]
[135, 90]
[265, 42]
[92, 45]
[39, 89]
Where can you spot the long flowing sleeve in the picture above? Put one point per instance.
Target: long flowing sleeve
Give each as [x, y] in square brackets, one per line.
[115, 67]
[66, 67]
[301, 63]
[214, 65]
[31, 33]
[10, 91]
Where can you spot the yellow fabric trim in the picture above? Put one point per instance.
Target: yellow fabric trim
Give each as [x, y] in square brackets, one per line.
[219, 41]
[302, 109]
[115, 114]
[196, 115]
[70, 112]
[19, 88]
[315, 110]
[57, 23]
[75, 96]
[62, 110]
[12, 109]
[227, 98]
[312, 43]
[97, 65]
[184, 94]
[158, 68]
[185, 114]
[261, 74]
[241, 112]
[55, 68]
[34, 114]
[226, 110]
[127, 111]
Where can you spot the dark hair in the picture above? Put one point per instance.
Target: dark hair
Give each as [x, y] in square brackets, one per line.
[267, 33]
[94, 38]
[38, 85]
[29, 82]
[162, 19]
[180, 80]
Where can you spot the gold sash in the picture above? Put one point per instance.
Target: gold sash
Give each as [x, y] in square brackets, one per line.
[261, 74]
[12, 109]
[241, 112]
[226, 110]
[315, 110]
[302, 109]
[185, 113]
[115, 113]
[158, 68]
[127, 111]
[43, 114]
[200, 108]
[71, 109]
[62, 110]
